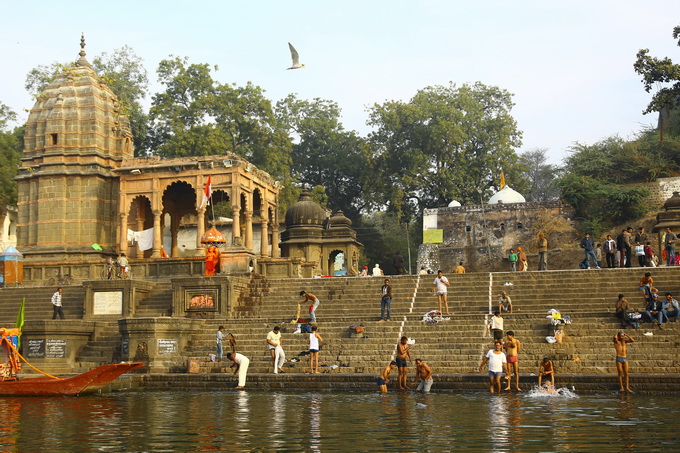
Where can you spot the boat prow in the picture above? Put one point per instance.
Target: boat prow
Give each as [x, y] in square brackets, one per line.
[88, 382]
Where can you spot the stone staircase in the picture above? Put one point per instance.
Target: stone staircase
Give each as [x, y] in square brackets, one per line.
[452, 346]
[456, 345]
[38, 303]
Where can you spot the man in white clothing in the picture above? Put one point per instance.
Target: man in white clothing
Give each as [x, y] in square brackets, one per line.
[242, 362]
[276, 350]
[441, 284]
[497, 365]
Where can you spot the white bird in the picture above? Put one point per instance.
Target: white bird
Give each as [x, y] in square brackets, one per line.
[296, 58]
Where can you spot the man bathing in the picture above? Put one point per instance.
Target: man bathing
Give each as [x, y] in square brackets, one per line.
[620, 341]
[403, 351]
[512, 346]
[384, 377]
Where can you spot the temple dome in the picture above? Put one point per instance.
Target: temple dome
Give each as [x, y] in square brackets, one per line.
[454, 204]
[339, 219]
[507, 195]
[673, 203]
[305, 212]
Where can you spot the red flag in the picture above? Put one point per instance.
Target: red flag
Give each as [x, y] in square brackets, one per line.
[207, 192]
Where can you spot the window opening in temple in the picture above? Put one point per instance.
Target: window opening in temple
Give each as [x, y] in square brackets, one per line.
[468, 228]
[519, 225]
[54, 138]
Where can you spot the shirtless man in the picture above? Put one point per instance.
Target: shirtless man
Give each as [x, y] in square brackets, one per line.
[384, 377]
[548, 370]
[403, 351]
[424, 373]
[620, 341]
[313, 304]
[512, 346]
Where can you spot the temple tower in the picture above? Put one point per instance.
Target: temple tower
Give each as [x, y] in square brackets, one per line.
[76, 135]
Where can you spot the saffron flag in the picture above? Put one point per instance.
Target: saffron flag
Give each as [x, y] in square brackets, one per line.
[502, 180]
[20, 319]
[207, 192]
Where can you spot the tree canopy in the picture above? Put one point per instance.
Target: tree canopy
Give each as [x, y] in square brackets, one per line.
[446, 143]
[325, 154]
[198, 116]
[11, 143]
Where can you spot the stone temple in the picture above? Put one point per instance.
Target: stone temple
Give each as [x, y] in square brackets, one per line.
[83, 196]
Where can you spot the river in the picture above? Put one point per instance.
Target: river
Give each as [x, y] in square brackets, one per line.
[256, 420]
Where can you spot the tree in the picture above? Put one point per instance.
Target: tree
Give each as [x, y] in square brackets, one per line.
[541, 176]
[326, 154]
[127, 77]
[197, 116]
[597, 181]
[655, 72]
[445, 143]
[10, 151]
[123, 71]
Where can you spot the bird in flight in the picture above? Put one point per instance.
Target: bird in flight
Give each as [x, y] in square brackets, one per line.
[296, 58]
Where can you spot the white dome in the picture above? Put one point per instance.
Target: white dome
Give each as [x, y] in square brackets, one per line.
[454, 204]
[507, 195]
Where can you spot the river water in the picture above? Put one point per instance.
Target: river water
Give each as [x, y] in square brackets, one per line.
[256, 420]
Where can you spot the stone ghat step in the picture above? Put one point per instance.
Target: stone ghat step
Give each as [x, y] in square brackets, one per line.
[337, 381]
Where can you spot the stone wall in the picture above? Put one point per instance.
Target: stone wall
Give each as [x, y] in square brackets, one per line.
[661, 190]
[481, 235]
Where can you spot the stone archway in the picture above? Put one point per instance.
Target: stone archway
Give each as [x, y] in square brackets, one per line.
[179, 199]
[140, 219]
[337, 263]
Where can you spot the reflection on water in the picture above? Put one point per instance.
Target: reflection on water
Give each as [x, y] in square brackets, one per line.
[318, 421]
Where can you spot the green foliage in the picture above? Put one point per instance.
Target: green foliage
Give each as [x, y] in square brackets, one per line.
[655, 73]
[445, 143]
[541, 176]
[197, 116]
[327, 155]
[382, 235]
[602, 204]
[11, 143]
[125, 74]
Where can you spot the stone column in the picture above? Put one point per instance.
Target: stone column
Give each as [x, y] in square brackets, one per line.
[264, 242]
[157, 234]
[174, 230]
[200, 231]
[236, 225]
[275, 238]
[249, 229]
[123, 232]
[140, 227]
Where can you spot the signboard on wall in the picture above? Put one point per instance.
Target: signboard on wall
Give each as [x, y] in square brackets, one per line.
[46, 349]
[108, 303]
[167, 346]
[433, 236]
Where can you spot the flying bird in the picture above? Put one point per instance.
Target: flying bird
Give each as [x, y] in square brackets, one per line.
[296, 58]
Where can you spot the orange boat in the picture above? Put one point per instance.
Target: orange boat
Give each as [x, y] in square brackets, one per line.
[88, 382]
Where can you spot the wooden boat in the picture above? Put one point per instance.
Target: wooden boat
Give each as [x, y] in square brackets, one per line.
[88, 382]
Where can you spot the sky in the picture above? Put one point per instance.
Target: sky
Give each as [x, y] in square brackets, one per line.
[569, 65]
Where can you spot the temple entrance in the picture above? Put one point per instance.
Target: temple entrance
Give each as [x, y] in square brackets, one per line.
[179, 199]
[337, 264]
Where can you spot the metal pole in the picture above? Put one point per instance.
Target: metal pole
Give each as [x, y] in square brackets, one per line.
[408, 246]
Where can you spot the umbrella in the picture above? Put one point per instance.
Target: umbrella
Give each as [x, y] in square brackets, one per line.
[213, 237]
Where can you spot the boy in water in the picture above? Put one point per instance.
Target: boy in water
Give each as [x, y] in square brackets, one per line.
[620, 341]
[546, 369]
[384, 377]
[403, 351]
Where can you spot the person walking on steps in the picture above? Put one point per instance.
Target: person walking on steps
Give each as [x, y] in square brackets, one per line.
[588, 247]
[385, 301]
[56, 304]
